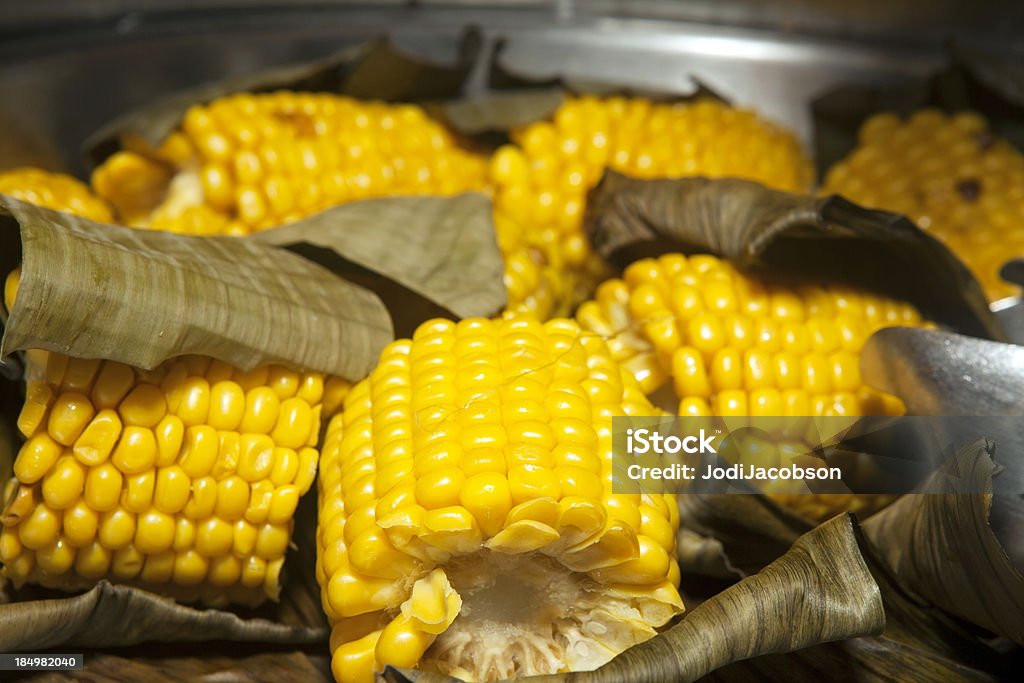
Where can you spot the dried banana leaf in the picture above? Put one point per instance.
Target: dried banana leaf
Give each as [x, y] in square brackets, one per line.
[819, 591]
[971, 81]
[192, 667]
[750, 531]
[941, 544]
[110, 615]
[99, 291]
[443, 249]
[373, 70]
[828, 238]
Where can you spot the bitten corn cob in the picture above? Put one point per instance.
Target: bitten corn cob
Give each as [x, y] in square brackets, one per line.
[183, 480]
[54, 191]
[542, 181]
[467, 522]
[734, 344]
[950, 175]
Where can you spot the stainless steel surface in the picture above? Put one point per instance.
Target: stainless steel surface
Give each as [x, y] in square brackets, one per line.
[60, 83]
[940, 373]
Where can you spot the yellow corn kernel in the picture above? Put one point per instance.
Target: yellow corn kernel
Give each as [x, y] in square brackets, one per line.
[213, 537]
[170, 435]
[98, 439]
[203, 498]
[261, 411]
[172, 490]
[40, 528]
[200, 450]
[154, 533]
[117, 528]
[136, 451]
[70, 414]
[64, 483]
[103, 487]
[39, 397]
[227, 406]
[232, 498]
[35, 458]
[80, 524]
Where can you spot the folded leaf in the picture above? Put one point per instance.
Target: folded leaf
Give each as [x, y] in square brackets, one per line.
[441, 248]
[941, 544]
[98, 291]
[825, 237]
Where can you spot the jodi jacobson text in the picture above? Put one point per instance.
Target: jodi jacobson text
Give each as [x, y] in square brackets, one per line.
[733, 473]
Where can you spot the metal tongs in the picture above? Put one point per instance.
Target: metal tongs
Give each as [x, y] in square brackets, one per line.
[941, 373]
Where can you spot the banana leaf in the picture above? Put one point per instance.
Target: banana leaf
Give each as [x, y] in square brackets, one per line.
[941, 544]
[99, 291]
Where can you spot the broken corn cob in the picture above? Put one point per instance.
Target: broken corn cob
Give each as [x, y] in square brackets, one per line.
[467, 523]
[733, 344]
[951, 176]
[542, 181]
[183, 480]
[54, 191]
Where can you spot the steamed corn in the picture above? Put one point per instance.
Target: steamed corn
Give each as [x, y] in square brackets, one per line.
[730, 344]
[542, 181]
[467, 523]
[183, 480]
[951, 176]
[54, 191]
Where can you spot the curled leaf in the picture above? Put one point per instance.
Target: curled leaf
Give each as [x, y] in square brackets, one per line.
[750, 530]
[941, 544]
[442, 248]
[828, 238]
[99, 291]
[819, 591]
[110, 615]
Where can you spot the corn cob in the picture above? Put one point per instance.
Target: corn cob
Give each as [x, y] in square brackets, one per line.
[732, 344]
[54, 191]
[182, 480]
[951, 176]
[542, 181]
[261, 160]
[467, 523]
